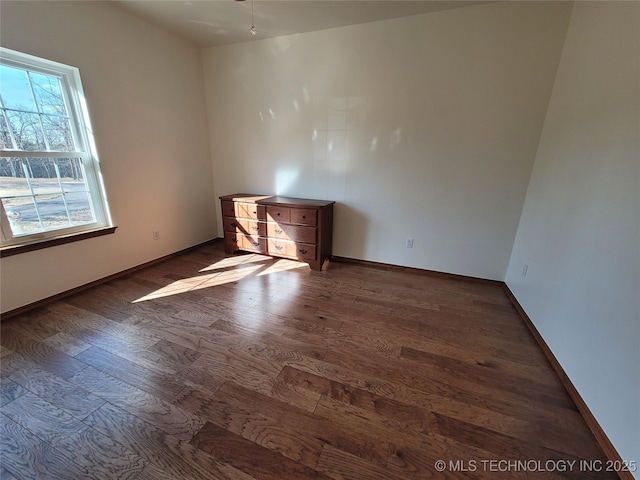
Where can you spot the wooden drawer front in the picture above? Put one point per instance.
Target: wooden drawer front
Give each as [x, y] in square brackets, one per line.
[253, 227]
[243, 210]
[250, 210]
[304, 216]
[279, 248]
[295, 233]
[232, 224]
[244, 226]
[303, 251]
[284, 248]
[277, 214]
[231, 242]
[245, 242]
[228, 209]
[252, 243]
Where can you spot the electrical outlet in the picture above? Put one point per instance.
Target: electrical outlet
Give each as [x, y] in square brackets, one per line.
[409, 242]
[524, 270]
[156, 235]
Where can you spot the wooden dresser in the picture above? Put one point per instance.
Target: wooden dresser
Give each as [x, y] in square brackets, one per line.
[295, 228]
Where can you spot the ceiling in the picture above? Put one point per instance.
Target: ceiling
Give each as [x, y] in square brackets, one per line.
[209, 23]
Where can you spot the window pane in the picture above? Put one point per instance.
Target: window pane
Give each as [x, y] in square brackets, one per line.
[15, 89]
[58, 131]
[48, 94]
[26, 130]
[55, 214]
[52, 211]
[12, 181]
[58, 195]
[16, 197]
[22, 215]
[57, 206]
[76, 190]
[42, 172]
[9, 166]
[5, 138]
[70, 168]
[80, 207]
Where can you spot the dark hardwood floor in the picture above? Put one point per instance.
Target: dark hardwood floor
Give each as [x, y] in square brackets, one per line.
[246, 367]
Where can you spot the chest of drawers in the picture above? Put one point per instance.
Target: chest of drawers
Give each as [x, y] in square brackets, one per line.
[296, 228]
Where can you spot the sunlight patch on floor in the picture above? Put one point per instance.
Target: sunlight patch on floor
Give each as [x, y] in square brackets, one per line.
[282, 266]
[236, 261]
[238, 268]
[202, 281]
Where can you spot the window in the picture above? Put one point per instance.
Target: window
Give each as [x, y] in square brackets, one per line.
[50, 185]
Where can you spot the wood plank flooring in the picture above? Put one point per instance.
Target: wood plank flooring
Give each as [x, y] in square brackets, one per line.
[247, 367]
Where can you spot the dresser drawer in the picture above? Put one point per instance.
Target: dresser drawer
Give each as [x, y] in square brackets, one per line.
[243, 210]
[254, 227]
[303, 251]
[228, 209]
[237, 241]
[231, 224]
[298, 250]
[279, 248]
[252, 243]
[295, 233]
[231, 243]
[250, 210]
[278, 214]
[244, 226]
[304, 216]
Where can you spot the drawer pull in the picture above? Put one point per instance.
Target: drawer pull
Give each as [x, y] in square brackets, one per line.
[254, 228]
[255, 212]
[303, 251]
[304, 216]
[278, 214]
[255, 244]
[278, 232]
[278, 247]
[234, 240]
[234, 224]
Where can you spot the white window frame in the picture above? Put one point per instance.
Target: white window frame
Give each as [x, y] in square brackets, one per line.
[75, 102]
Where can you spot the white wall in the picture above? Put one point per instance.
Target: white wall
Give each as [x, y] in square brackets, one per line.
[580, 228]
[145, 94]
[422, 127]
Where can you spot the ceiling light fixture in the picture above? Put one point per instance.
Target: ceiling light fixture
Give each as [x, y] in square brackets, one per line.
[253, 27]
[252, 30]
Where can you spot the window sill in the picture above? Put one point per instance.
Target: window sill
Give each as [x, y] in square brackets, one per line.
[52, 242]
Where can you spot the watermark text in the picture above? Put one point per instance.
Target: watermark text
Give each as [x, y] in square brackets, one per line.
[511, 465]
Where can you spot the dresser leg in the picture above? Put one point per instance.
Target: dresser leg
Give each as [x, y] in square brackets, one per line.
[319, 265]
